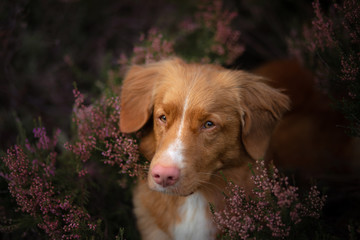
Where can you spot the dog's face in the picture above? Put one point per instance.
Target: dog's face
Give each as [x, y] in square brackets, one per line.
[205, 118]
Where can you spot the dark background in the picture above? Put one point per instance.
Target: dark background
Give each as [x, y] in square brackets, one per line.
[47, 46]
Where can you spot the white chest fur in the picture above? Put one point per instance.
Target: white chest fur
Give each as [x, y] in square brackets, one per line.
[195, 221]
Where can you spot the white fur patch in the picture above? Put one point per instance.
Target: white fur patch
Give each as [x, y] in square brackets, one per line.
[175, 153]
[175, 150]
[195, 222]
[179, 133]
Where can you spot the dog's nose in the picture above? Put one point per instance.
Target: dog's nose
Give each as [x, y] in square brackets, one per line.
[165, 176]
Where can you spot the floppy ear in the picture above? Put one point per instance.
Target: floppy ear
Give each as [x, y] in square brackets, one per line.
[261, 108]
[137, 97]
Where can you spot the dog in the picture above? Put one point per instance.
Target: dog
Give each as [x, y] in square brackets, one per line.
[201, 124]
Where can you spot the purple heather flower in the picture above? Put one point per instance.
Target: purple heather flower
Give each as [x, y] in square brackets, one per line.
[98, 131]
[272, 194]
[30, 182]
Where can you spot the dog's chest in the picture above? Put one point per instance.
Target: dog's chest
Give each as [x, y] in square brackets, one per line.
[195, 221]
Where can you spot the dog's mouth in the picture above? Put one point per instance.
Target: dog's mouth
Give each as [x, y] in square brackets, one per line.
[174, 193]
[175, 190]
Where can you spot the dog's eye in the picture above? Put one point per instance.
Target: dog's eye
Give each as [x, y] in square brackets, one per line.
[208, 124]
[163, 118]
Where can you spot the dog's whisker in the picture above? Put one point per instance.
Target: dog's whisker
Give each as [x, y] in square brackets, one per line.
[211, 186]
[212, 175]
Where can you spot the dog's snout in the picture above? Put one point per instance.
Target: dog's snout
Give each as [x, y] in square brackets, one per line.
[165, 175]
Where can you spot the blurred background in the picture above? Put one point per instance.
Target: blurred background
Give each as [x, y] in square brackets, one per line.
[48, 46]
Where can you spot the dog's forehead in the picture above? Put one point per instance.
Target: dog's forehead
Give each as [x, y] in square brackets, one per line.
[195, 89]
[199, 87]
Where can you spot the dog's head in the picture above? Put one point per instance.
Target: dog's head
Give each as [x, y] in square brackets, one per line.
[205, 118]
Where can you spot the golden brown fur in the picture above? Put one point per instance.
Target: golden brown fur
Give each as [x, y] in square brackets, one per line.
[243, 111]
[309, 140]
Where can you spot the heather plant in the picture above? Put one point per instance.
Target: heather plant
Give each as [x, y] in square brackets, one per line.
[152, 47]
[209, 36]
[60, 193]
[99, 136]
[31, 173]
[331, 47]
[274, 209]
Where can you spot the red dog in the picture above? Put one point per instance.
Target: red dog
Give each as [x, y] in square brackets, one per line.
[203, 119]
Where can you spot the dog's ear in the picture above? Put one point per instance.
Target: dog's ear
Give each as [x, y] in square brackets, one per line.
[261, 107]
[137, 97]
